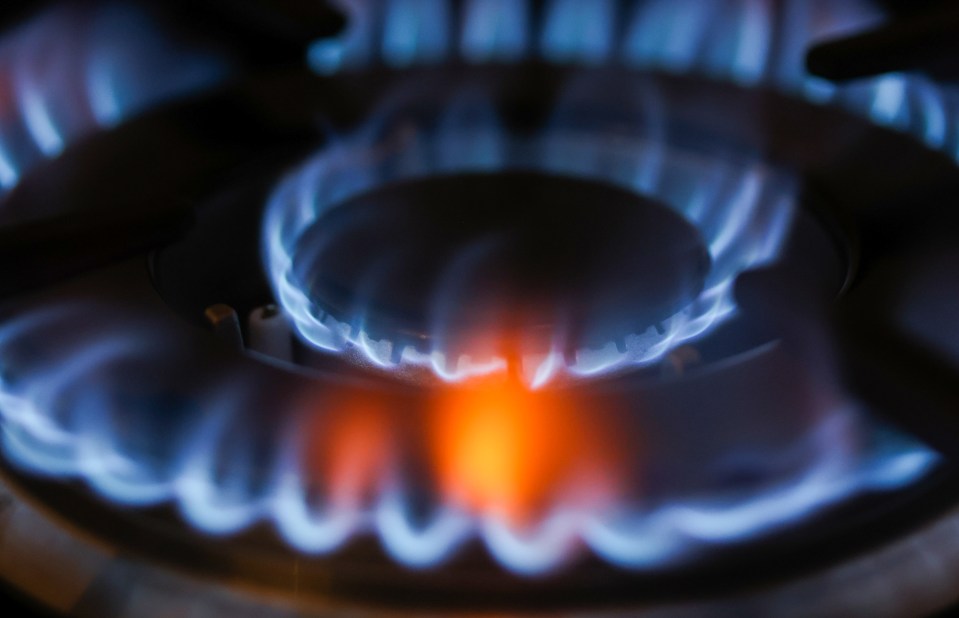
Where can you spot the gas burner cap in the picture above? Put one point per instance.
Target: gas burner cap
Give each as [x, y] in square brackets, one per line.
[473, 263]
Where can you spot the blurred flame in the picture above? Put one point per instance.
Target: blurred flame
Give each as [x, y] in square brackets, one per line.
[79, 67]
[532, 474]
[498, 447]
[503, 448]
[351, 446]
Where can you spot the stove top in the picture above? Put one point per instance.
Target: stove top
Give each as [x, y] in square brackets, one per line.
[480, 306]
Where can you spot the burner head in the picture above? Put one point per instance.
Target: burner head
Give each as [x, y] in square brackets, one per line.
[476, 262]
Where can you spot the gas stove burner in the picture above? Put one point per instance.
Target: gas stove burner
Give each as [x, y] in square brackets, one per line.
[465, 235]
[623, 321]
[499, 264]
[311, 457]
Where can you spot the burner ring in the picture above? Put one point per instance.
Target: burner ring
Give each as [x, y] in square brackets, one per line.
[489, 262]
[741, 208]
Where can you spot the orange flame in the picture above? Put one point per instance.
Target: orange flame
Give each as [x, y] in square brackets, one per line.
[501, 447]
[351, 446]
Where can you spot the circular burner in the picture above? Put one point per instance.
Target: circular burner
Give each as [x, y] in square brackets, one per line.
[248, 443]
[476, 306]
[481, 261]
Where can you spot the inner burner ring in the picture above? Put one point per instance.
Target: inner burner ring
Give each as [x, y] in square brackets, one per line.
[500, 264]
[737, 209]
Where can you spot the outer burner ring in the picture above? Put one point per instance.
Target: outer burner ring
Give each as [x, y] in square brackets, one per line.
[151, 127]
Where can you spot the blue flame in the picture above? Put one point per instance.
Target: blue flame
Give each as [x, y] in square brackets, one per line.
[578, 31]
[495, 30]
[124, 405]
[742, 208]
[80, 405]
[749, 42]
[76, 69]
